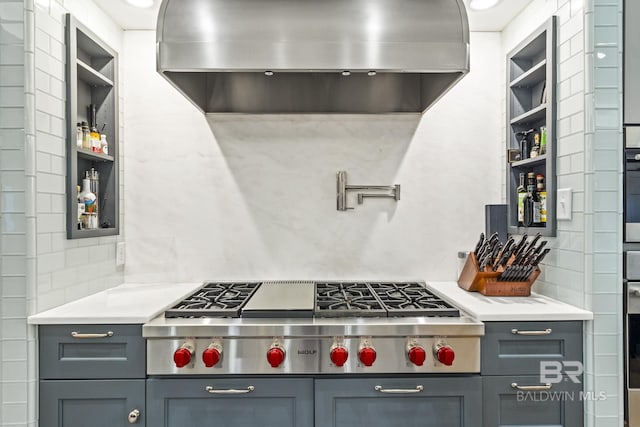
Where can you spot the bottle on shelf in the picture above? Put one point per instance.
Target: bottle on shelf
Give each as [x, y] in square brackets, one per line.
[90, 216]
[95, 135]
[79, 137]
[522, 192]
[86, 136]
[535, 148]
[543, 198]
[543, 140]
[525, 146]
[104, 145]
[531, 203]
[81, 209]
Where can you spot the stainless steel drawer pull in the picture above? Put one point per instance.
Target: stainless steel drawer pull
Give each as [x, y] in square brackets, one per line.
[545, 332]
[78, 335]
[133, 416]
[418, 389]
[211, 390]
[531, 387]
[634, 292]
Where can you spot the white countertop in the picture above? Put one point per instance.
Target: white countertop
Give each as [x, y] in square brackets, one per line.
[128, 303]
[534, 307]
[139, 303]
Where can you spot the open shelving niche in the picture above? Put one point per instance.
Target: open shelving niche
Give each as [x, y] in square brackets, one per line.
[92, 78]
[531, 100]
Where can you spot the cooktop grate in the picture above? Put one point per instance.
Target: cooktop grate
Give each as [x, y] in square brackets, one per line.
[411, 299]
[345, 299]
[215, 299]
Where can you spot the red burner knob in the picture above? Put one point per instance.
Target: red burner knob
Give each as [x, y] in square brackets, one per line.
[417, 355]
[211, 357]
[445, 355]
[182, 357]
[339, 355]
[275, 356]
[367, 356]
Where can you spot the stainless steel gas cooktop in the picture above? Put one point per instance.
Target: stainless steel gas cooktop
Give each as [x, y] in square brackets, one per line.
[312, 299]
[313, 327]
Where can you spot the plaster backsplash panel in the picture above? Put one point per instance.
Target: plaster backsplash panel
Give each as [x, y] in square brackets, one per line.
[241, 196]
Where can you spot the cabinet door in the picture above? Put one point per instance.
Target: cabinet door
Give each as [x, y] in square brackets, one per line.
[384, 402]
[89, 403]
[506, 405]
[265, 402]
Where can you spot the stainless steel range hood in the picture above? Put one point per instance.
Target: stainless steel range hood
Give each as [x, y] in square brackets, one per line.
[313, 56]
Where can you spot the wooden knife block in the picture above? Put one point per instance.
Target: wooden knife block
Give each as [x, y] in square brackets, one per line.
[486, 282]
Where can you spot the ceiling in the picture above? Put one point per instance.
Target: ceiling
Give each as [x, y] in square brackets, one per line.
[132, 18]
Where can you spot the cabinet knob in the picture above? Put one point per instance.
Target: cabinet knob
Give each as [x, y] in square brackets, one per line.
[133, 416]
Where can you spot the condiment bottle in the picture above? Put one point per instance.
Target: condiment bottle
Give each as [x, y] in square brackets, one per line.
[86, 136]
[78, 135]
[104, 145]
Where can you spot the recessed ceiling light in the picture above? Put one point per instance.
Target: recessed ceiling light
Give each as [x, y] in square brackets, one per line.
[141, 3]
[482, 4]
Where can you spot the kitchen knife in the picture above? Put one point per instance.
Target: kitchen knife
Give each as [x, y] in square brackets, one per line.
[479, 244]
[520, 245]
[533, 242]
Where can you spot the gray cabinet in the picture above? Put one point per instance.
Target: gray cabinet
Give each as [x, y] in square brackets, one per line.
[91, 375]
[531, 81]
[515, 391]
[383, 402]
[92, 79]
[92, 403]
[522, 401]
[233, 402]
[631, 62]
[91, 351]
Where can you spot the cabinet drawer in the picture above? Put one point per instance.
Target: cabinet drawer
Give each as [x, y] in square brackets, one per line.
[561, 404]
[230, 402]
[517, 348]
[91, 351]
[382, 402]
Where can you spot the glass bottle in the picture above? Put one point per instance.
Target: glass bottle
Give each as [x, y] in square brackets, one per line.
[543, 198]
[86, 136]
[522, 192]
[90, 205]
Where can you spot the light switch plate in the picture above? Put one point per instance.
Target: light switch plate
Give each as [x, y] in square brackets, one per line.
[564, 204]
[119, 254]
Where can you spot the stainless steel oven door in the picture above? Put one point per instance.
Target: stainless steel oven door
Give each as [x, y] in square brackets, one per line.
[633, 353]
[632, 184]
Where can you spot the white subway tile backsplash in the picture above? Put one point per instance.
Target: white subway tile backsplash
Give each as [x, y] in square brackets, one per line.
[607, 78]
[571, 144]
[607, 118]
[570, 28]
[11, 11]
[51, 144]
[51, 183]
[12, 75]
[577, 123]
[606, 15]
[606, 160]
[49, 104]
[51, 223]
[570, 67]
[605, 201]
[42, 80]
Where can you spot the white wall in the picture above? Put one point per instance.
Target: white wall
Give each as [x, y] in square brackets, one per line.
[66, 269]
[39, 268]
[254, 196]
[585, 266]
